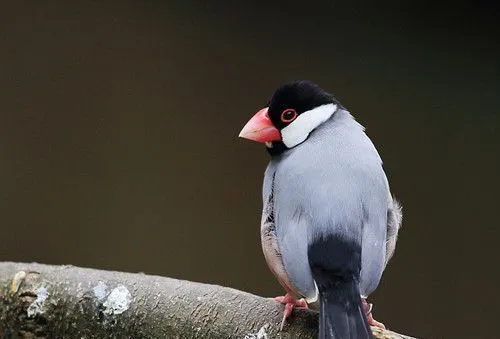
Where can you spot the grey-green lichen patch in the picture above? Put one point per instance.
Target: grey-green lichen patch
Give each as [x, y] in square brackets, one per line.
[37, 306]
[118, 301]
[100, 290]
[261, 334]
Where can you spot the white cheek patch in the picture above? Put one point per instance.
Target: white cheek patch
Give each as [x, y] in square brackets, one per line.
[300, 128]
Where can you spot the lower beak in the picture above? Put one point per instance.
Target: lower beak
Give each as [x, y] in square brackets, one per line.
[260, 128]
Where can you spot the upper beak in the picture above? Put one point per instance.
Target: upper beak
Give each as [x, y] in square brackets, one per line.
[260, 128]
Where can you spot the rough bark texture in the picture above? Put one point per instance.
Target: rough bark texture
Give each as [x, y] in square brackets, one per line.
[42, 301]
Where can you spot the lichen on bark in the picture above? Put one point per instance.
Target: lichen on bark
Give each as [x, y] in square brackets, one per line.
[43, 301]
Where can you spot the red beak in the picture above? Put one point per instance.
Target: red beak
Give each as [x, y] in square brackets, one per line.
[260, 128]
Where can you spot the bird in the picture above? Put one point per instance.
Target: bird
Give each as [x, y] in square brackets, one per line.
[329, 221]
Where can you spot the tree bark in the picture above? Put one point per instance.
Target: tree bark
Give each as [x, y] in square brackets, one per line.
[43, 301]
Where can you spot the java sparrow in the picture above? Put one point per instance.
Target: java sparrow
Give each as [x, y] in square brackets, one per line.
[329, 222]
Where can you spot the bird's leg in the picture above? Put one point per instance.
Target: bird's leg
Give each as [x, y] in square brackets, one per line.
[368, 310]
[290, 303]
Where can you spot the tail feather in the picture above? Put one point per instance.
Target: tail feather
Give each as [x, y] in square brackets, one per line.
[335, 265]
[342, 315]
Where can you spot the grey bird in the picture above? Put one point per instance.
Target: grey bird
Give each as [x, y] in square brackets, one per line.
[329, 222]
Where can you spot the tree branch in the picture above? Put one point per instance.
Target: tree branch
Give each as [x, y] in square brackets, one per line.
[43, 301]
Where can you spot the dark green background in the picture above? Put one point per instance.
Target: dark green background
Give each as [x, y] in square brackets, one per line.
[119, 148]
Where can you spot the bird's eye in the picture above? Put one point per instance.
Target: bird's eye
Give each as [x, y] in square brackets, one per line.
[288, 115]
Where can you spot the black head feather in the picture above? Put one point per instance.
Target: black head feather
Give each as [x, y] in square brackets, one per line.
[302, 96]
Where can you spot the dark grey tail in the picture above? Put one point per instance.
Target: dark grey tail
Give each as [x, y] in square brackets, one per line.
[341, 313]
[335, 265]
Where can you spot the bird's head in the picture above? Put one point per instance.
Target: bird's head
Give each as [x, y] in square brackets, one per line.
[294, 111]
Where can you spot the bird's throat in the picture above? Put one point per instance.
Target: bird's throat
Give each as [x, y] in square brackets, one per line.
[276, 148]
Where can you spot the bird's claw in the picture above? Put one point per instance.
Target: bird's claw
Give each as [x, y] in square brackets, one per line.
[290, 303]
[368, 310]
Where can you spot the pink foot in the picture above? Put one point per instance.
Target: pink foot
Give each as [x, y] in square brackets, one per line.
[290, 303]
[368, 310]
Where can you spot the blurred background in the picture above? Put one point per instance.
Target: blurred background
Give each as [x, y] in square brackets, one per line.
[119, 148]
